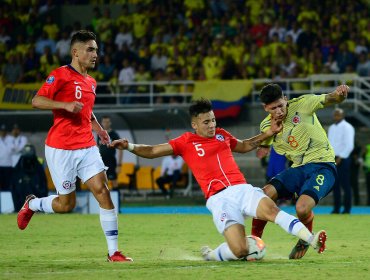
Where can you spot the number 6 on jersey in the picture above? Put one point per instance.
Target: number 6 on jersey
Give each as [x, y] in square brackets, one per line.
[78, 92]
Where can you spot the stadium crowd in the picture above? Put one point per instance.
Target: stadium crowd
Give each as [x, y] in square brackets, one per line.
[191, 39]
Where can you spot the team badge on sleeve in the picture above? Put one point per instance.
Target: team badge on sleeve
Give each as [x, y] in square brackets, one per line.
[220, 137]
[50, 79]
[93, 88]
[67, 185]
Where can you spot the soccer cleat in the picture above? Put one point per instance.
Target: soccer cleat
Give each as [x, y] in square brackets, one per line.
[25, 214]
[118, 257]
[319, 240]
[206, 253]
[299, 249]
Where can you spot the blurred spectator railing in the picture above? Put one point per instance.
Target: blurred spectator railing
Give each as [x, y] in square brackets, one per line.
[144, 94]
[179, 93]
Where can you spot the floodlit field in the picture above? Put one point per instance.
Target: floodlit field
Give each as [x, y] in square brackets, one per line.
[167, 247]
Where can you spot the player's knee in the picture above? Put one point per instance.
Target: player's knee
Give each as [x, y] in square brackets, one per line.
[102, 195]
[270, 191]
[302, 209]
[272, 213]
[267, 210]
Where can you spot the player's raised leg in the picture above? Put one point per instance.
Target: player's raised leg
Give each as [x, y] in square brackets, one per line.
[267, 210]
[49, 204]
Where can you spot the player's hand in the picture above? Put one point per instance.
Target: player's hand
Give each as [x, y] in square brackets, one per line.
[342, 91]
[118, 168]
[120, 144]
[276, 126]
[262, 152]
[104, 137]
[73, 107]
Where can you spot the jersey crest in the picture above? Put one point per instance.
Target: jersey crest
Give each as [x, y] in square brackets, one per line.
[50, 79]
[220, 137]
[223, 216]
[296, 119]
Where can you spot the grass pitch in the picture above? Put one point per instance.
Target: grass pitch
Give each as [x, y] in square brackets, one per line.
[72, 246]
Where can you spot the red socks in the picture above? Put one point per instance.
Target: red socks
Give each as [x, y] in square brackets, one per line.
[308, 222]
[257, 227]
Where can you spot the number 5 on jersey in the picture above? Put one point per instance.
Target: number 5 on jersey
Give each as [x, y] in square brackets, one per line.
[199, 149]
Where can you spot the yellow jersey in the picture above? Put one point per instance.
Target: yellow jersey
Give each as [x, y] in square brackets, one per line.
[302, 139]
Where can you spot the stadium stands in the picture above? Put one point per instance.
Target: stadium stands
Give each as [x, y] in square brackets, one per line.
[172, 40]
[215, 40]
[125, 177]
[144, 178]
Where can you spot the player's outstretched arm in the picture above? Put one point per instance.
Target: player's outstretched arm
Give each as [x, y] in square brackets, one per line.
[244, 146]
[337, 96]
[145, 151]
[44, 103]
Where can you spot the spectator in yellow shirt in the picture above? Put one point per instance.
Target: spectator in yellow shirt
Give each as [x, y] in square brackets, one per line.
[51, 28]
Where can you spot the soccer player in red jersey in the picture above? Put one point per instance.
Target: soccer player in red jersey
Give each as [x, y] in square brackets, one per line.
[230, 199]
[70, 148]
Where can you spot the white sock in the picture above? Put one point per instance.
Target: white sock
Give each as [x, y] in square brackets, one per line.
[223, 253]
[293, 226]
[109, 224]
[43, 204]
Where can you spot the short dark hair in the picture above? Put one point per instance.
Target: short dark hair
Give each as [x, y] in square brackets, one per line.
[271, 93]
[82, 36]
[199, 107]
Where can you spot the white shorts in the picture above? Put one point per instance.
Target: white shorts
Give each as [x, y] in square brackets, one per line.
[234, 204]
[66, 165]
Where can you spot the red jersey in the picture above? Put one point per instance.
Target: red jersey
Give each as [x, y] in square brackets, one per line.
[210, 160]
[70, 131]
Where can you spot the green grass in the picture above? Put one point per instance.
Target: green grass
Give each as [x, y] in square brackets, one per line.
[167, 247]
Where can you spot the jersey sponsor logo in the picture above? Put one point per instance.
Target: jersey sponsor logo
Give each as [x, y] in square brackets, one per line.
[67, 185]
[50, 79]
[220, 137]
[296, 119]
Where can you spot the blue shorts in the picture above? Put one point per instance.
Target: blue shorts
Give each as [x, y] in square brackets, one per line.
[313, 179]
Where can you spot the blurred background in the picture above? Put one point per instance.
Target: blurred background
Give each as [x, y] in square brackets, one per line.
[156, 56]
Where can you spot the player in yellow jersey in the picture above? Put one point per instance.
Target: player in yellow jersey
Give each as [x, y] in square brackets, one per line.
[304, 142]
